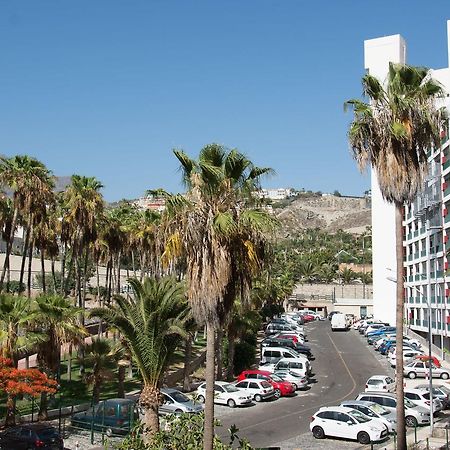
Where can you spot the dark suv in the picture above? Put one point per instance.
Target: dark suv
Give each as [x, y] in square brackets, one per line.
[286, 343]
[30, 437]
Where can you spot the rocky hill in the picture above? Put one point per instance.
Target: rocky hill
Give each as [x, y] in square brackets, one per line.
[329, 213]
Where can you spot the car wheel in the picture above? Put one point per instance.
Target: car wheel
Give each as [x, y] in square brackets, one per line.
[277, 393]
[108, 432]
[295, 386]
[412, 375]
[444, 376]
[258, 398]
[411, 421]
[318, 432]
[178, 411]
[363, 438]
[231, 403]
[200, 399]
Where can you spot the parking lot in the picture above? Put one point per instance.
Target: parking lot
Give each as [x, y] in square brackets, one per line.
[342, 365]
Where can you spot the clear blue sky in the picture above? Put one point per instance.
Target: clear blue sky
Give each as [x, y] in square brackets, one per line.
[107, 88]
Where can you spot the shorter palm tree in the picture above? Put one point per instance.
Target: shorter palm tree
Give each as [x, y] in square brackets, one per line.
[98, 357]
[151, 323]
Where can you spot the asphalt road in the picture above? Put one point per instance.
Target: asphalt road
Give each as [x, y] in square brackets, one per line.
[342, 365]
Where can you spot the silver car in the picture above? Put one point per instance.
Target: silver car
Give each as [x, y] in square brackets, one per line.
[175, 402]
[375, 411]
[421, 369]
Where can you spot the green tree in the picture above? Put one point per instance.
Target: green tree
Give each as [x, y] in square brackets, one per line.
[392, 133]
[222, 239]
[151, 323]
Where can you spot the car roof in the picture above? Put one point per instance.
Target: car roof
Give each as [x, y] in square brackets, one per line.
[118, 400]
[258, 371]
[169, 390]
[416, 390]
[35, 426]
[336, 408]
[359, 402]
[253, 380]
[381, 394]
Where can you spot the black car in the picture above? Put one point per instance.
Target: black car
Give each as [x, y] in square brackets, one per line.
[299, 348]
[30, 437]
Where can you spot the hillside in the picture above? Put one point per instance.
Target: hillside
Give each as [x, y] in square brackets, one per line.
[329, 213]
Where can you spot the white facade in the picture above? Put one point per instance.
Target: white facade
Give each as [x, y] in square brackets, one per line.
[275, 194]
[378, 53]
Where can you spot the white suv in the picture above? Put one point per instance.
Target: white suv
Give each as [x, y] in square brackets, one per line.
[342, 422]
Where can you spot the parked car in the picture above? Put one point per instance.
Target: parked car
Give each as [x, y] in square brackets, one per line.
[374, 410]
[295, 337]
[271, 355]
[342, 422]
[274, 328]
[408, 354]
[286, 343]
[298, 381]
[440, 392]
[414, 415]
[296, 365]
[113, 416]
[281, 387]
[421, 397]
[382, 330]
[421, 369]
[374, 327]
[30, 437]
[226, 394]
[175, 402]
[382, 383]
[259, 389]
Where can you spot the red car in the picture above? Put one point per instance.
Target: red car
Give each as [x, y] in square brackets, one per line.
[281, 387]
[289, 337]
[308, 318]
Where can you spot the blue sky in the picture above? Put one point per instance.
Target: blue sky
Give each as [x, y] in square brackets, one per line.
[107, 88]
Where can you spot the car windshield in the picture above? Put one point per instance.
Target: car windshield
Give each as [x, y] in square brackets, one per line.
[275, 377]
[179, 397]
[47, 433]
[360, 417]
[378, 409]
[230, 388]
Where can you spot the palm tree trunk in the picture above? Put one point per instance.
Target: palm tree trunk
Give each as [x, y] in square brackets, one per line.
[133, 262]
[121, 381]
[219, 354]
[9, 245]
[110, 280]
[401, 430]
[43, 407]
[54, 276]
[118, 272]
[149, 400]
[24, 255]
[187, 363]
[98, 282]
[10, 411]
[30, 262]
[209, 401]
[63, 268]
[44, 288]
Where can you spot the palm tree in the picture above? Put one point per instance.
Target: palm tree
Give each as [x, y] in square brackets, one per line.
[151, 323]
[222, 239]
[57, 320]
[99, 358]
[392, 134]
[32, 184]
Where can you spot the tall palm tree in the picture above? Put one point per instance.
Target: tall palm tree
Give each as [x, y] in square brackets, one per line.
[32, 184]
[57, 320]
[223, 242]
[151, 323]
[392, 133]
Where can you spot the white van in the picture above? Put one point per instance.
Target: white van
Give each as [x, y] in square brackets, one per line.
[271, 355]
[339, 322]
[296, 365]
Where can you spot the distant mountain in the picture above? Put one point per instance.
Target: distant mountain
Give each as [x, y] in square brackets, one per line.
[329, 213]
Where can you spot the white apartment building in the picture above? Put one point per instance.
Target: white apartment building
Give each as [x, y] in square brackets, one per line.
[275, 194]
[426, 222]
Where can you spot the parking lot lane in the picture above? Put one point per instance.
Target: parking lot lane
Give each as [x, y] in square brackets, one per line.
[341, 367]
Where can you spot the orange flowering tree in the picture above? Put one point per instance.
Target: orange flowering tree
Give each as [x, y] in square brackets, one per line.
[15, 382]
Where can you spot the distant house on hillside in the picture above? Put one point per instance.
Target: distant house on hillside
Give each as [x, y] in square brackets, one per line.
[151, 202]
[275, 194]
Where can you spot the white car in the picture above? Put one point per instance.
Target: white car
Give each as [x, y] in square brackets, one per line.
[421, 369]
[342, 422]
[421, 397]
[298, 381]
[259, 389]
[374, 327]
[408, 354]
[225, 394]
[383, 383]
[296, 365]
